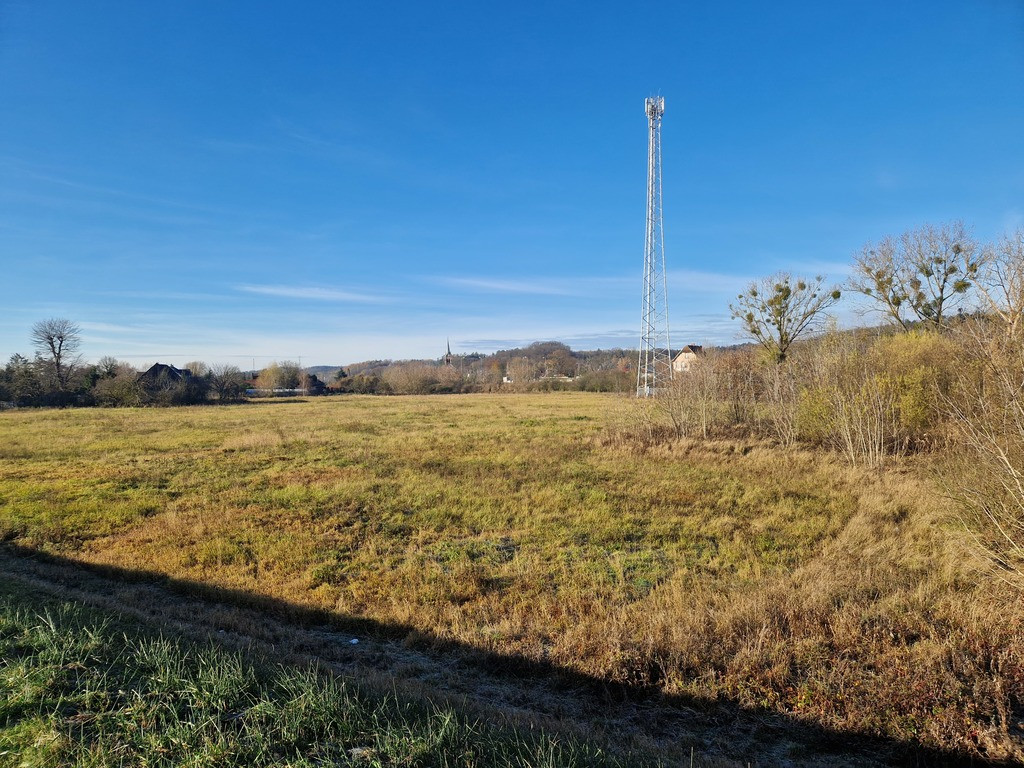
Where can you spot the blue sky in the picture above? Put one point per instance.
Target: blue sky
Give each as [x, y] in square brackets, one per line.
[339, 181]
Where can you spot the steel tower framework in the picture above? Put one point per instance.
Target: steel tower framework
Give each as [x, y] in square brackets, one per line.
[654, 367]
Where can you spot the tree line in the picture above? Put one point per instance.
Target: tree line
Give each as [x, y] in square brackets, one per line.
[540, 366]
[57, 376]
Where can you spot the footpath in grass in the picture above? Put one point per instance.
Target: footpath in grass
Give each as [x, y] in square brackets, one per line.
[79, 687]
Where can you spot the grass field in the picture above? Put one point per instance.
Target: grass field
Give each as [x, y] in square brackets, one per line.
[62, 664]
[82, 687]
[525, 529]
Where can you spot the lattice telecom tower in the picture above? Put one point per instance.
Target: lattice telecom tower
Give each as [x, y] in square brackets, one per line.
[654, 368]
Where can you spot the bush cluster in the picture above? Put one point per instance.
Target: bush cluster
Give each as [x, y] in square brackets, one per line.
[873, 397]
[23, 383]
[869, 394]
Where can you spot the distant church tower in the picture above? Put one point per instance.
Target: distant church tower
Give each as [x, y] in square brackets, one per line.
[448, 354]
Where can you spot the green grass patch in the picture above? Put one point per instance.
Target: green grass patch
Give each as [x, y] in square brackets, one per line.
[83, 688]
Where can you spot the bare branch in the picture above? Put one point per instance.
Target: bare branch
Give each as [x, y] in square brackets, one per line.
[778, 310]
[922, 275]
[57, 341]
[1001, 281]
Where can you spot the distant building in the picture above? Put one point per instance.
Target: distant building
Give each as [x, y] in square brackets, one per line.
[686, 357]
[161, 375]
[313, 385]
[166, 385]
[448, 354]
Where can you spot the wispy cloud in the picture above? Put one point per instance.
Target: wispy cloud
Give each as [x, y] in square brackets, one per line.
[621, 333]
[579, 341]
[696, 281]
[48, 177]
[537, 287]
[690, 330]
[687, 280]
[110, 327]
[325, 142]
[163, 295]
[313, 293]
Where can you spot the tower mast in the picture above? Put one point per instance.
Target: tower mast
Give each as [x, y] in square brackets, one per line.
[654, 366]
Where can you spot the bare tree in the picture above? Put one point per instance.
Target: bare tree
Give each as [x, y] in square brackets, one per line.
[227, 381]
[521, 371]
[268, 378]
[778, 310]
[289, 375]
[57, 342]
[283, 375]
[106, 366]
[198, 368]
[1001, 281]
[922, 275]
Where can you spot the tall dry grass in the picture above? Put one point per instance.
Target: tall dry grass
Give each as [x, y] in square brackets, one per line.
[986, 473]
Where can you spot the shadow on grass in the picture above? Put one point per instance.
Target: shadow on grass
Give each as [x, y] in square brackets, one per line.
[645, 714]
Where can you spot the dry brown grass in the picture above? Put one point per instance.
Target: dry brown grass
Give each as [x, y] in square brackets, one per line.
[732, 570]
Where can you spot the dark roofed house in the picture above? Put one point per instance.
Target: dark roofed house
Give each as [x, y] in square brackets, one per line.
[166, 385]
[160, 375]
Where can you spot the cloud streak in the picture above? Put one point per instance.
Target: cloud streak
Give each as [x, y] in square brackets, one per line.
[687, 280]
[313, 293]
[536, 287]
[696, 281]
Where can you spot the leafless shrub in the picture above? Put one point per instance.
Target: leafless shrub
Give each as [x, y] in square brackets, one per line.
[692, 401]
[120, 389]
[739, 385]
[987, 414]
[867, 426]
[421, 379]
[780, 391]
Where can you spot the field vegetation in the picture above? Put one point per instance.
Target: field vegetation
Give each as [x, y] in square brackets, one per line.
[88, 688]
[568, 530]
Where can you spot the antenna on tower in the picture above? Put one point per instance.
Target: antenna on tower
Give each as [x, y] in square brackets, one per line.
[654, 367]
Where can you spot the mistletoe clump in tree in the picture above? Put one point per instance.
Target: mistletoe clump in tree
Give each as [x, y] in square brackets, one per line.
[920, 276]
[778, 310]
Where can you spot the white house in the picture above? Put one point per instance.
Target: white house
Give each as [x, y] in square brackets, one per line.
[686, 357]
